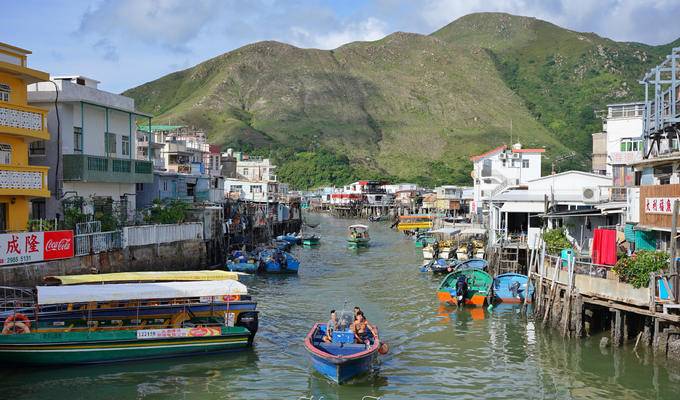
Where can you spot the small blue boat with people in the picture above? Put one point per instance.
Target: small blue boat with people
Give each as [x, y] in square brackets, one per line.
[341, 349]
[512, 288]
[275, 261]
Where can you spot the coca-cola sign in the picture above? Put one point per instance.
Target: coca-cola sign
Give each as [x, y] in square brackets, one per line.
[58, 244]
[27, 247]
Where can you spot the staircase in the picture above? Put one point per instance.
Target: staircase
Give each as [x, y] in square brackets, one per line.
[508, 260]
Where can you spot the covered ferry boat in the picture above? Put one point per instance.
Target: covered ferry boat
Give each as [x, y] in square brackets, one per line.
[85, 323]
[358, 236]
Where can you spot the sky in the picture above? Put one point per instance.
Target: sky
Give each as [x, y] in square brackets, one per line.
[124, 43]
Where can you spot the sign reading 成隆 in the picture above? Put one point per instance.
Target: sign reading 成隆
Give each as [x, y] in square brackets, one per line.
[27, 247]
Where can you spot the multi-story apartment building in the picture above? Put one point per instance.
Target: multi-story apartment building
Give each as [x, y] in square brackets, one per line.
[620, 143]
[500, 169]
[21, 126]
[94, 135]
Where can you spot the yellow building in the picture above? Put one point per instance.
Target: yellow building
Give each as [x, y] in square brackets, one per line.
[20, 125]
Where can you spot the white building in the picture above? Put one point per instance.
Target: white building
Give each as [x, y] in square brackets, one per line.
[258, 191]
[98, 134]
[254, 168]
[500, 169]
[619, 143]
[399, 187]
[514, 213]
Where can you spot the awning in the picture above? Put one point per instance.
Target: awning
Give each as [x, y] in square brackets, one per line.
[144, 276]
[446, 231]
[137, 291]
[523, 207]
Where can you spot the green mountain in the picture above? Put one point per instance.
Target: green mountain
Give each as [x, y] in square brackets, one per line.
[407, 107]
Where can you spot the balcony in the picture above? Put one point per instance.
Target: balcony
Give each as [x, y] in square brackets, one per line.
[24, 121]
[87, 168]
[27, 180]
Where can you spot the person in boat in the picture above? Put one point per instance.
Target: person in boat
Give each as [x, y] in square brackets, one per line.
[361, 327]
[331, 326]
[356, 310]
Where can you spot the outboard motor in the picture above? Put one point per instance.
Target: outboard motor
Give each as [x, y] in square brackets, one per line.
[250, 321]
[461, 289]
[514, 289]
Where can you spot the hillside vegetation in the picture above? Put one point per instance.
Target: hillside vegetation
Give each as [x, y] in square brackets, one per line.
[407, 107]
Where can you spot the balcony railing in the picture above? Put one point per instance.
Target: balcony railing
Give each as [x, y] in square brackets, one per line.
[618, 193]
[88, 168]
[24, 180]
[24, 121]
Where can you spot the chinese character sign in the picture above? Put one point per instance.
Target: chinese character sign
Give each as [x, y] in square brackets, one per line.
[26, 247]
[659, 205]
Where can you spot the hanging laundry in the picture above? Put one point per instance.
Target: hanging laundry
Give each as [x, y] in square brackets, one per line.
[604, 246]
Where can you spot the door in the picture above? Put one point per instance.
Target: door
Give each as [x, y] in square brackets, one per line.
[3, 217]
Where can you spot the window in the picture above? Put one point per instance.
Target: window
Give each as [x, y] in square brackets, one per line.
[256, 189]
[77, 139]
[631, 144]
[245, 171]
[516, 163]
[5, 153]
[110, 143]
[125, 145]
[139, 187]
[5, 90]
[37, 148]
[38, 209]
[525, 163]
[165, 186]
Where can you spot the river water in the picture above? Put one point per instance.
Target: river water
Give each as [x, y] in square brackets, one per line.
[436, 352]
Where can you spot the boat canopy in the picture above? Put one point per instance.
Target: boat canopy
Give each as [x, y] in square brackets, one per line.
[137, 291]
[474, 231]
[144, 276]
[446, 231]
[358, 226]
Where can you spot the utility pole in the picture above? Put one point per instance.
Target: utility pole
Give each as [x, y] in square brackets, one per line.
[673, 268]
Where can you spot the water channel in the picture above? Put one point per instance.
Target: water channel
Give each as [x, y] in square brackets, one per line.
[436, 352]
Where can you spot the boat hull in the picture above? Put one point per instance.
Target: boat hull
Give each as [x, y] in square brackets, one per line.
[479, 287]
[250, 268]
[357, 242]
[71, 348]
[340, 368]
[503, 292]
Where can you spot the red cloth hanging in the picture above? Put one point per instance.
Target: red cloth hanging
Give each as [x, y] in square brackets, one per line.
[604, 246]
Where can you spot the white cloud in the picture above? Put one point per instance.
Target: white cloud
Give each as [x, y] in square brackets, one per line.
[171, 23]
[367, 30]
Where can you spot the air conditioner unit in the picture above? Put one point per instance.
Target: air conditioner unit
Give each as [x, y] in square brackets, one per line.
[502, 156]
[591, 195]
[516, 155]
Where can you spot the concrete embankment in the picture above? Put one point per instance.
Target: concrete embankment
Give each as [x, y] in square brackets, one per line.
[181, 255]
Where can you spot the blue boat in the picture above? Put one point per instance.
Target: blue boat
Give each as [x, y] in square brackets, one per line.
[241, 261]
[274, 261]
[342, 359]
[290, 238]
[473, 263]
[512, 288]
[282, 245]
[439, 266]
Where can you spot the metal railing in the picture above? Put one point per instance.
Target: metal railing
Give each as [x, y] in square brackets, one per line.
[98, 242]
[583, 267]
[157, 234]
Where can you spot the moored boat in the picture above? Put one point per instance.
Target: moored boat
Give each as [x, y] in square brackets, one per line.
[311, 240]
[241, 261]
[290, 238]
[424, 239]
[358, 236]
[512, 288]
[274, 261]
[469, 286]
[439, 266]
[473, 263]
[82, 324]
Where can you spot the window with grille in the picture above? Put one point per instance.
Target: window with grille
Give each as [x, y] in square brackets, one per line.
[77, 139]
[37, 148]
[110, 143]
[5, 153]
[125, 145]
[5, 90]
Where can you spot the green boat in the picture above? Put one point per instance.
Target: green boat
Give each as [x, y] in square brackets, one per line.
[82, 324]
[87, 347]
[358, 236]
[424, 240]
[478, 287]
[309, 241]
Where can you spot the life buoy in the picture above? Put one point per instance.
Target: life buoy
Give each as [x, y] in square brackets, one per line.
[16, 323]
